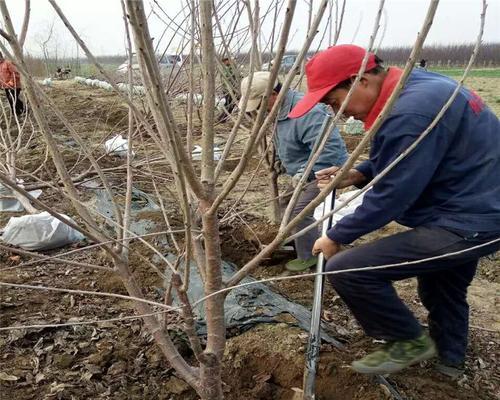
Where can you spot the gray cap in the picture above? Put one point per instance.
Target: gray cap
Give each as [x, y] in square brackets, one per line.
[256, 91]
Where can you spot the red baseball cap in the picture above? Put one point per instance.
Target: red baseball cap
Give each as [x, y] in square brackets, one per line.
[326, 70]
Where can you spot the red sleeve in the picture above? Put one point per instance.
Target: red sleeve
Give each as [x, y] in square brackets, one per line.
[15, 78]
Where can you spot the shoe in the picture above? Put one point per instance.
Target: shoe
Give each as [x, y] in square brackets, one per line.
[298, 264]
[395, 356]
[451, 370]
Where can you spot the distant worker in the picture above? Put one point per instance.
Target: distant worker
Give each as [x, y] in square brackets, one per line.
[10, 81]
[229, 88]
[63, 73]
[447, 190]
[66, 71]
[294, 140]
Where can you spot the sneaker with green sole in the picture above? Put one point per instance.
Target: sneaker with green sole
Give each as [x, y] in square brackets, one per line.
[298, 264]
[395, 356]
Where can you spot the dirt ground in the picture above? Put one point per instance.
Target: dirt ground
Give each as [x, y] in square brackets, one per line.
[118, 360]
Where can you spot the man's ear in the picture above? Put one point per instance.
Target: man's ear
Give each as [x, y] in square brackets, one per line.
[272, 97]
[364, 81]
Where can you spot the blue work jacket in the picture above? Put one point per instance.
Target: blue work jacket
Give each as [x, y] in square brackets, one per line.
[294, 138]
[451, 179]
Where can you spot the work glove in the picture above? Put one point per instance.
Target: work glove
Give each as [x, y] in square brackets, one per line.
[278, 167]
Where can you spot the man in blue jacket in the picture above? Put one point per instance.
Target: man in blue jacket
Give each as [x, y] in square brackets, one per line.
[294, 140]
[447, 190]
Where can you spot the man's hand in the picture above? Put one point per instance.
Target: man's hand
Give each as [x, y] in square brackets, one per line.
[326, 246]
[325, 176]
[278, 167]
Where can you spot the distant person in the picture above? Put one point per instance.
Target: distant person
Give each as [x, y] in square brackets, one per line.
[66, 71]
[294, 140]
[229, 89]
[11, 83]
[63, 73]
[447, 190]
[423, 63]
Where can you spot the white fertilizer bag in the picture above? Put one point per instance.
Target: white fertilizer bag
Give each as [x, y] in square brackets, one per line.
[217, 154]
[354, 127]
[349, 209]
[39, 232]
[117, 145]
[140, 90]
[197, 99]
[220, 103]
[196, 153]
[183, 98]
[8, 202]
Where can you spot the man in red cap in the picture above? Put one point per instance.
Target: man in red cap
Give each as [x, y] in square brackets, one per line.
[447, 190]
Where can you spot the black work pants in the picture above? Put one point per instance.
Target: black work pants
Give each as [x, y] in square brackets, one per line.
[14, 99]
[442, 285]
[229, 104]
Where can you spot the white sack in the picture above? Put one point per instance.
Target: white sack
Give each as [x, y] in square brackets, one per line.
[117, 145]
[354, 126]
[196, 153]
[39, 232]
[8, 203]
[197, 99]
[217, 154]
[341, 199]
[183, 98]
[220, 103]
[138, 89]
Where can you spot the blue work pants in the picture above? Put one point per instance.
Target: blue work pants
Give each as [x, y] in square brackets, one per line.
[442, 285]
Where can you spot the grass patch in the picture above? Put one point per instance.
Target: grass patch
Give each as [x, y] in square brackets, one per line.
[91, 70]
[473, 73]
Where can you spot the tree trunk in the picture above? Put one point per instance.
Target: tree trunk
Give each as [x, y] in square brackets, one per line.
[210, 378]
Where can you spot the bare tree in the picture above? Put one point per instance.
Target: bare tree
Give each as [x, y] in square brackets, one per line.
[26, 20]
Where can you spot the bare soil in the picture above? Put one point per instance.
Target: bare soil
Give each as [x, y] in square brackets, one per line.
[118, 359]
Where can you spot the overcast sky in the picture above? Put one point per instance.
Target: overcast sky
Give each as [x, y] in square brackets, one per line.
[101, 25]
